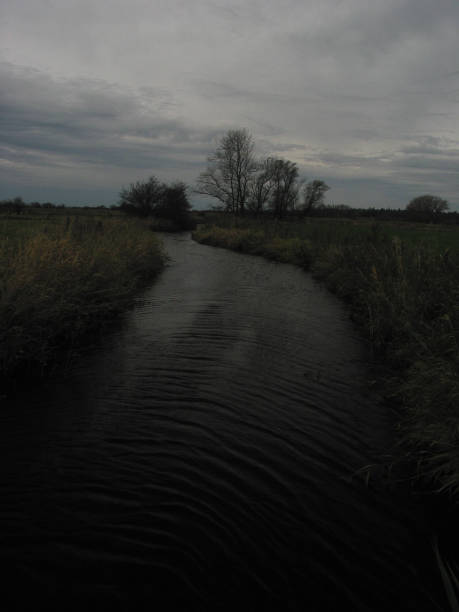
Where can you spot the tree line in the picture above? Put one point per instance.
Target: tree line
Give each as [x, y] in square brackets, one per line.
[236, 178]
[342, 211]
[242, 183]
[18, 206]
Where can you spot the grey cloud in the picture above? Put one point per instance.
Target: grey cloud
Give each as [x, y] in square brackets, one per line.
[396, 175]
[370, 30]
[420, 156]
[88, 120]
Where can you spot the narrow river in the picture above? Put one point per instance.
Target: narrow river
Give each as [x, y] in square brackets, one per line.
[204, 456]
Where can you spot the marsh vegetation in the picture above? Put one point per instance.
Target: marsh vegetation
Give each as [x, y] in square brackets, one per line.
[62, 275]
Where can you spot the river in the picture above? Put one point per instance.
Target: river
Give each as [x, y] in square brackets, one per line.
[205, 455]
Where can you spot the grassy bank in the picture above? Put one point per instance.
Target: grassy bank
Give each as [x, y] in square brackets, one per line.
[402, 286]
[62, 276]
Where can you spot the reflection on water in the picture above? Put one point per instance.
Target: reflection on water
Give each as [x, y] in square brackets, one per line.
[205, 455]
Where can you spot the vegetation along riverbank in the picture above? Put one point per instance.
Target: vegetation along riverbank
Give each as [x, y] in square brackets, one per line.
[63, 274]
[401, 282]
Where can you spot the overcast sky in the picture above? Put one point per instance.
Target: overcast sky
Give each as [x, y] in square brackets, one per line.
[362, 94]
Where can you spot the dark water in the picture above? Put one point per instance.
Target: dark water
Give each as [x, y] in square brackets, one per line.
[204, 457]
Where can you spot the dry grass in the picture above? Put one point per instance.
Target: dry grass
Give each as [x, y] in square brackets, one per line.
[59, 279]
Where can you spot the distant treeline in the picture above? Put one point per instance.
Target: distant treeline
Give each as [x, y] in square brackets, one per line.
[341, 211]
[18, 206]
[334, 211]
[385, 214]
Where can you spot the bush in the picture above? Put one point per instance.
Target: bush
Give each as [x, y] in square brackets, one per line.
[427, 206]
[154, 199]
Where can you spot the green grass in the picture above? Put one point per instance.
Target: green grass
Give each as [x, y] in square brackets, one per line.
[61, 276]
[402, 286]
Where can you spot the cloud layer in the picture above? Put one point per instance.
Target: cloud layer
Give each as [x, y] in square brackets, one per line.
[363, 95]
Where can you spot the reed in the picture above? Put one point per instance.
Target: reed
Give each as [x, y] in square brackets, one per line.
[404, 294]
[63, 277]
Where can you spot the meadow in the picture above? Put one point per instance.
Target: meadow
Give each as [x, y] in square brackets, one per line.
[64, 273]
[401, 284]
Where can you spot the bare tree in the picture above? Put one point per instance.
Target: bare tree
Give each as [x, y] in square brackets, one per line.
[261, 186]
[141, 197]
[230, 171]
[428, 204]
[175, 206]
[284, 186]
[160, 200]
[313, 195]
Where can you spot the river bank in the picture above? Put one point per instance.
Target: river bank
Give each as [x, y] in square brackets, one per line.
[62, 277]
[404, 294]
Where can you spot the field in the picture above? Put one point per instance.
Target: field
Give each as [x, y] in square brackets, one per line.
[62, 274]
[401, 282]
[322, 230]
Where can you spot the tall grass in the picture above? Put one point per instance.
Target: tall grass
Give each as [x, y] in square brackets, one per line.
[404, 293]
[61, 278]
